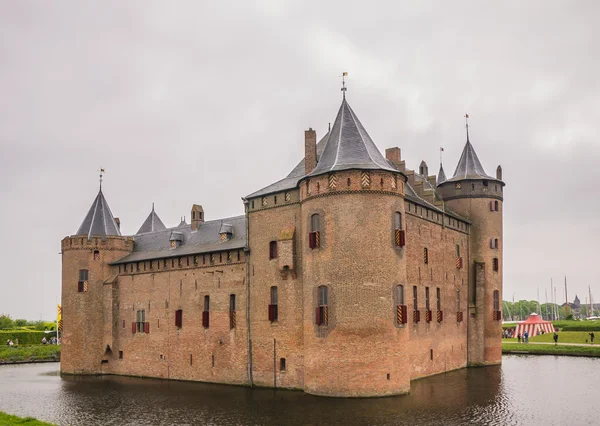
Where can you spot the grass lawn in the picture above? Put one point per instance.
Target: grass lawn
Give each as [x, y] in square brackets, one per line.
[567, 337]
[24, 353]
[7, 419]
[551, 349]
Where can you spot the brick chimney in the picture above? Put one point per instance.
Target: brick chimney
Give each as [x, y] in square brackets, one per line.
[310, 150]
[393, 154]
[197, 216]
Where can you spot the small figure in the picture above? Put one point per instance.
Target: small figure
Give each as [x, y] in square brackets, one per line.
[519, 337]
[44, 341]
[555, 338]
[526, 336]
[592, 336]
[10, 343]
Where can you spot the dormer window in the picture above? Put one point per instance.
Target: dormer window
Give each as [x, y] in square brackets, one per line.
[226, 231]
[176, 239]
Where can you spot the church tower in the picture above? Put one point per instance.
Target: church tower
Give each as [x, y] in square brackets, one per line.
[472, 193]
[87, 290]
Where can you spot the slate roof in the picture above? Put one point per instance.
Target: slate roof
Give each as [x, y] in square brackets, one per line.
[152, 223]
[157, 245]
[99, 220]
[469, 166]
[441, 175]
[349, 146]
[291, 180]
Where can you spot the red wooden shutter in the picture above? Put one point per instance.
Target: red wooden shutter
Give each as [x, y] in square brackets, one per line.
[311, 240]
[440, 316]
[270, 313]
[146, 327]
[133, 327]
[178, 318]
[325, 317]
[318, 316]
[205, 319]
[402, 238]
[404, 314]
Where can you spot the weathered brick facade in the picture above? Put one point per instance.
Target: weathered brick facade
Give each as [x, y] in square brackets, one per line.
[311, 298]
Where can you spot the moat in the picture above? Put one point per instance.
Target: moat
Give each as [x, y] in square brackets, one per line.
[525, 390]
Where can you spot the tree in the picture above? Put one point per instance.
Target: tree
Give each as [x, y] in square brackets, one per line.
[20, 322]
[6, 322]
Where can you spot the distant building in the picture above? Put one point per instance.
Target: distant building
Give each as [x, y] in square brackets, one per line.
[351, 276]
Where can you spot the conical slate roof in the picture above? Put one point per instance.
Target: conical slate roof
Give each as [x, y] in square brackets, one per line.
[349, 146]
[441, 175]
[152, 223]
[99, 220]
[469, 166]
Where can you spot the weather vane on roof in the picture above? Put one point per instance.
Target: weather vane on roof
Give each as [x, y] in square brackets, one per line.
[344, 75]
[101, 174]
[467, 125]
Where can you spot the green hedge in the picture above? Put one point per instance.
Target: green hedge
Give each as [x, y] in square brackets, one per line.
[25, 337]
[577, 325]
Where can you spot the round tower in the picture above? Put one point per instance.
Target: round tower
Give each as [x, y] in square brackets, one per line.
[353, 262]
[87, 289]
[479, 197]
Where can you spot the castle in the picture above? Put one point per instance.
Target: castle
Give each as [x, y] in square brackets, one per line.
[350, 277]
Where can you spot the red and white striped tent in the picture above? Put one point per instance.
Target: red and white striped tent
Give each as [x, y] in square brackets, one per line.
[534, 325]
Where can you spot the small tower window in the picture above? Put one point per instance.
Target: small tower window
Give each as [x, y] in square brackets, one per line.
[427, 305]
[273, 306]
[205, 312]
[96, 255]
[273, 250]
[321, 314]
[314, 237]
[496, 300]
[438, 294]
[179, 318]
[496, 264]
[232, 312]
[82, 284]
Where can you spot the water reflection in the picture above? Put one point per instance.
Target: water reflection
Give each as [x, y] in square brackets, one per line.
[522, 391]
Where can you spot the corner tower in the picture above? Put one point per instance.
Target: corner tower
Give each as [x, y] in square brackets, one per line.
[352, 207]
[479, 197]
[87, 289]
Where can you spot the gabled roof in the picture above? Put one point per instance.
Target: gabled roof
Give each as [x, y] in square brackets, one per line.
[99, 220]
[157, 245]
[349, 146]
[152, 223]
[441, 175]
[469, 166]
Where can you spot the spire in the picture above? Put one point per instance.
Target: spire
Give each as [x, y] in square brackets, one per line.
[99, 219]
[469, 166]
[344, 74]
[441, 175]
[349, 146]
[152, 223]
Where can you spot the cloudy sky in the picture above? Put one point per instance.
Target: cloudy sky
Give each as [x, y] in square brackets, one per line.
[205, 102]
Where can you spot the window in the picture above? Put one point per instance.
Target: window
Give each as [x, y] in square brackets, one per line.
[273, 306]
[120, 354]
[425, 256]
[232, 311]
[399, 295]
[82, 284]
[152, 264]
[140, 323]
[496, 300]
[96, 255]
[205, 312]
[125, 268]
[415, 298]
[427, 306]
[494, 243]
[400, 306]
[273, 250]
[314, 237]
[485, 183]
[438, 294]
[399, 236]
[282, 364]
[457, 250]
[179, 318]
[321, 316]
[457, 300]
[495, 264]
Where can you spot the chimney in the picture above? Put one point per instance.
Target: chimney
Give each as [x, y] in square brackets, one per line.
[118, 222]
[197, 216]
[499, 173]
[310, 150]
[393, 154]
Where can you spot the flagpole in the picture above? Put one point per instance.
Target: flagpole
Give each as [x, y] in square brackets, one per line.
[566, 299]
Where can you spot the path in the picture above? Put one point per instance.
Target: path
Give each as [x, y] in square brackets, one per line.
[552, 343]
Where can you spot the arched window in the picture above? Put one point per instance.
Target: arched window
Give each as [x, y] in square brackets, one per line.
[496, 205]
[232, 309]
[273, 306]
[494, 243]
[321, 314]
[314, 237]
[205, 312]
[399, 236]
[496, 300]
[495, 264]
[401, 314]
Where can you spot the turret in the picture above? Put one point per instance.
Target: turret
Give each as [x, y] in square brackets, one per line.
[472, 193]
[87, 295]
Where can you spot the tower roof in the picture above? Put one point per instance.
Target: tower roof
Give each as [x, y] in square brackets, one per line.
[349, 146]
[469, 166]
[99, 220]
[441, 175]
[152, 223]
